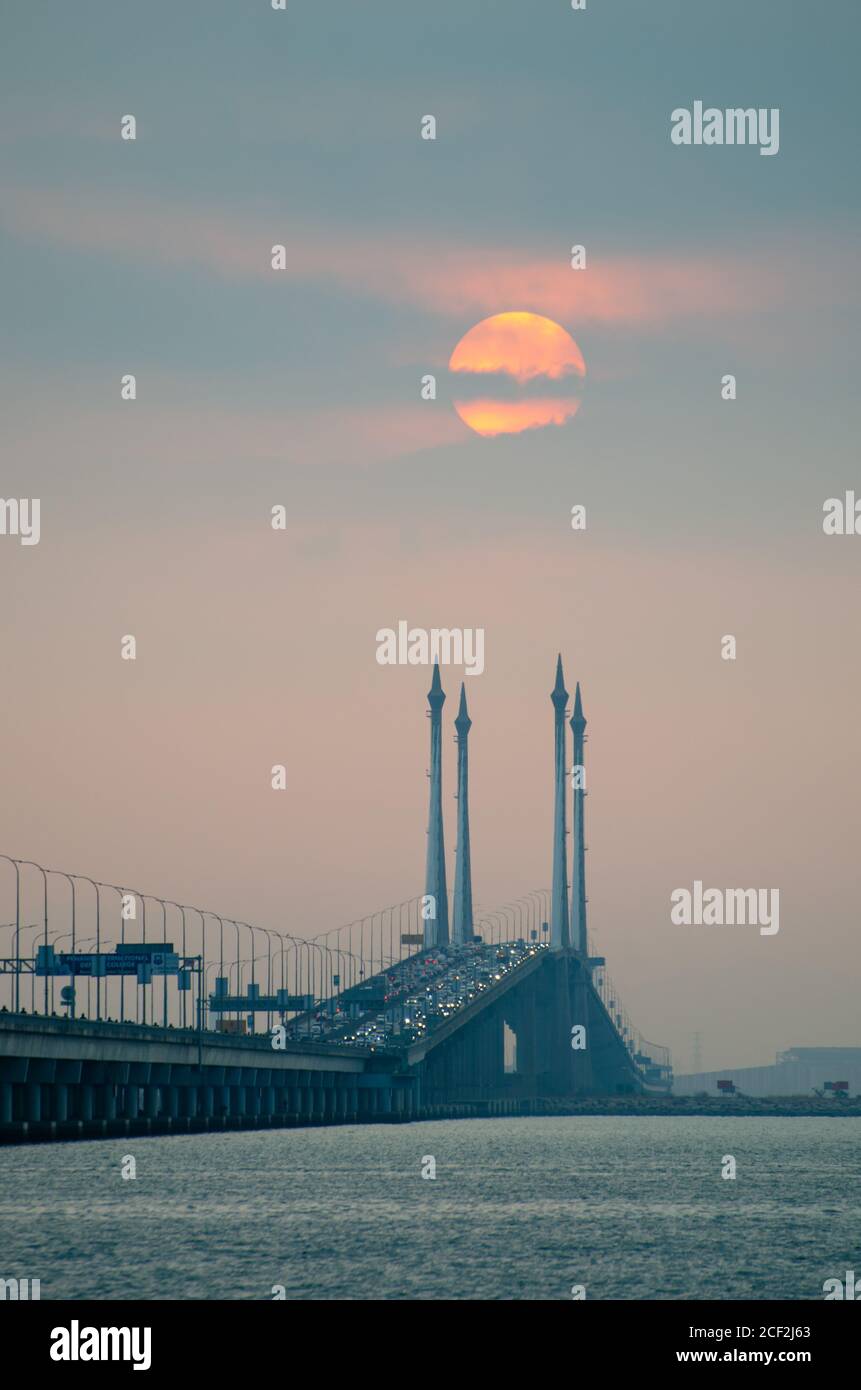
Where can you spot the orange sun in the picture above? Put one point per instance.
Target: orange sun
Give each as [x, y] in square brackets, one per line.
[538, 366]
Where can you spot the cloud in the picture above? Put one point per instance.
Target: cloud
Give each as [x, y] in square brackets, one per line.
[490, 418]
[450, 278]
[523, 345]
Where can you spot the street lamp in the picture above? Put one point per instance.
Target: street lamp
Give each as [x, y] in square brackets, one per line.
[34, 865]
[181, 910]
[60, 874]
[14, 863]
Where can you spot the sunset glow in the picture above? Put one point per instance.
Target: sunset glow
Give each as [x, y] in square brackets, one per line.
[523, 348]
[490, 417]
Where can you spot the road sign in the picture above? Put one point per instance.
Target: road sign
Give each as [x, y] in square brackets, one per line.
[281, 1002]
[98, 965]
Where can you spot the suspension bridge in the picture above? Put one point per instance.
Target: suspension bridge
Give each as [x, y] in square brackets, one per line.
[125, 1012]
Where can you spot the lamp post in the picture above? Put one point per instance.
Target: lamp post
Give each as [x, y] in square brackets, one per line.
[31, 926]
[201, 979]
[95, 888]
[15, 866]
[123, 894]
[161, 903]
[515, 907]
[235, 926]
[181, 910]
[496, 918]
[58, 936]
[33, 865]
[204, 914]
[68, 877]
[362, 922]
[251, 930]
[270, 935]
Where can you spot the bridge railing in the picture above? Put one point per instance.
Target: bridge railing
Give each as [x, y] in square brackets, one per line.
[386, 937]
[648, 1057]
[74, 915]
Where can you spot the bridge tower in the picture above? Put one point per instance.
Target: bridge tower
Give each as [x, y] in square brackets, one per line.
[436, 926]
[579, 938]
[462, 927]
[559, 933]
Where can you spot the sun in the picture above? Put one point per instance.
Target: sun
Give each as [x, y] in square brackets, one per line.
[516, 371]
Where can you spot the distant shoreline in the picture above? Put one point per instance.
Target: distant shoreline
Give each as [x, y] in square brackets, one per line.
[761, 1106]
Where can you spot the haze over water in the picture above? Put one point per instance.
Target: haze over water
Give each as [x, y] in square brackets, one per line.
[632, 1208]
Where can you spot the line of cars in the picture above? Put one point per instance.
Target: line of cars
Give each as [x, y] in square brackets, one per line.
[423, 991]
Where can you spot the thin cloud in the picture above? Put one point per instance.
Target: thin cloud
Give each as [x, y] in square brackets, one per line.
[449, 279]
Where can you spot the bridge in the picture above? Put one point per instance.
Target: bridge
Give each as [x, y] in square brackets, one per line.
[174, 1018]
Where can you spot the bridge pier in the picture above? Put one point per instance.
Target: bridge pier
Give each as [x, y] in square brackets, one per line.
[61, 1101]
[34, 1101]
[87, 1079]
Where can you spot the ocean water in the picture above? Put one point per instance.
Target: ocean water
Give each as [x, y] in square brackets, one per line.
[629, 1207]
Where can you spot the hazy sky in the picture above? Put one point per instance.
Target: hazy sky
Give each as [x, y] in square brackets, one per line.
[256, 647]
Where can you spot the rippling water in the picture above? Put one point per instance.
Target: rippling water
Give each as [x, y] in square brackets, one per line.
[520, 1208]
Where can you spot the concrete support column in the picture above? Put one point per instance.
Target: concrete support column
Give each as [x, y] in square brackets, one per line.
[269, 1101]
[237, 1100]
[109, 1101]
[170, 1101]
[5, 1103]
[190, 1099]
[61, 1102]
[152, 1096]
[131, 1102]
[85, 1102]
[34, 1100]
[207, 1101]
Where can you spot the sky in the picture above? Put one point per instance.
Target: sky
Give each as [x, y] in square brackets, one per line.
[302, 388]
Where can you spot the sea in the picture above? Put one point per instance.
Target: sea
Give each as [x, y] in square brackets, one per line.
[615, 1207]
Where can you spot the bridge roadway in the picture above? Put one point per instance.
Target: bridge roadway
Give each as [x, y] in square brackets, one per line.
[66, 1079]
[63, 1078]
